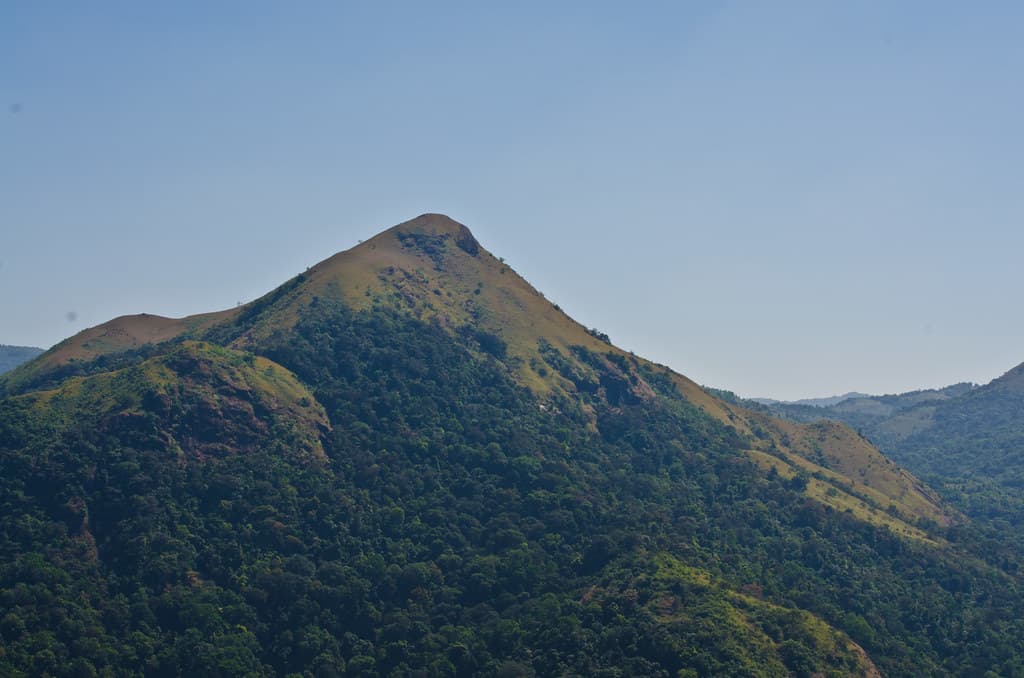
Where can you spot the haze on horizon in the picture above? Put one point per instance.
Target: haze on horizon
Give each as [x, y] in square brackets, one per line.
[787, 201]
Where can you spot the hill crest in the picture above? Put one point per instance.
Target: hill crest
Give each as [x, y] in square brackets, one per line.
[433, 269]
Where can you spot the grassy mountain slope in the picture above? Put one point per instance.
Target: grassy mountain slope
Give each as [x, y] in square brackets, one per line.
[231, 400]
[967, 441]
[120, 335]
[434, 268]
[378, 470]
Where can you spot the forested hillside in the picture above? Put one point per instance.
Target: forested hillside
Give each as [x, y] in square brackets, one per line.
[405, 462]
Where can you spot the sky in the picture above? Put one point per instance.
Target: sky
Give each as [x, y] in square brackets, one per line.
[784, 199]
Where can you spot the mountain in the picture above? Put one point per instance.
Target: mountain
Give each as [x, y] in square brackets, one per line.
[405, 461]
[12, 356]
[973, 446]
[494, 309]
[884, 418]
[94, 345]
[966, 440]
[813, 402]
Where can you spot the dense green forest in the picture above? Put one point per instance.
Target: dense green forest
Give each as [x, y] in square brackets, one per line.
[453, 528]
[368, 492]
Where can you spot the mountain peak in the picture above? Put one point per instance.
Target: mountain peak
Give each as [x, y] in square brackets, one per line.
[432, 269]
[432, 225]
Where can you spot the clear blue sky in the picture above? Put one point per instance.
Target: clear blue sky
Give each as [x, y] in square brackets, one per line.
[782, 198]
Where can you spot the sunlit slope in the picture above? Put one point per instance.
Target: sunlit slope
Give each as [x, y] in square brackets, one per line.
[205, 400]
[433, 267]
[843, 471]
[967, 440]
[682, 598]
[119, 335]
[839, 467]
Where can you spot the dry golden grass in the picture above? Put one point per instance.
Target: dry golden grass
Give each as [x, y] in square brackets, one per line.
[835, 490]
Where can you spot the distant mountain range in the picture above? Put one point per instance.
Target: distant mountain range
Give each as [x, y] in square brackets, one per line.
[405, 461]
[12, 356]
[880, 417]
[966, 440]
[813, 402]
